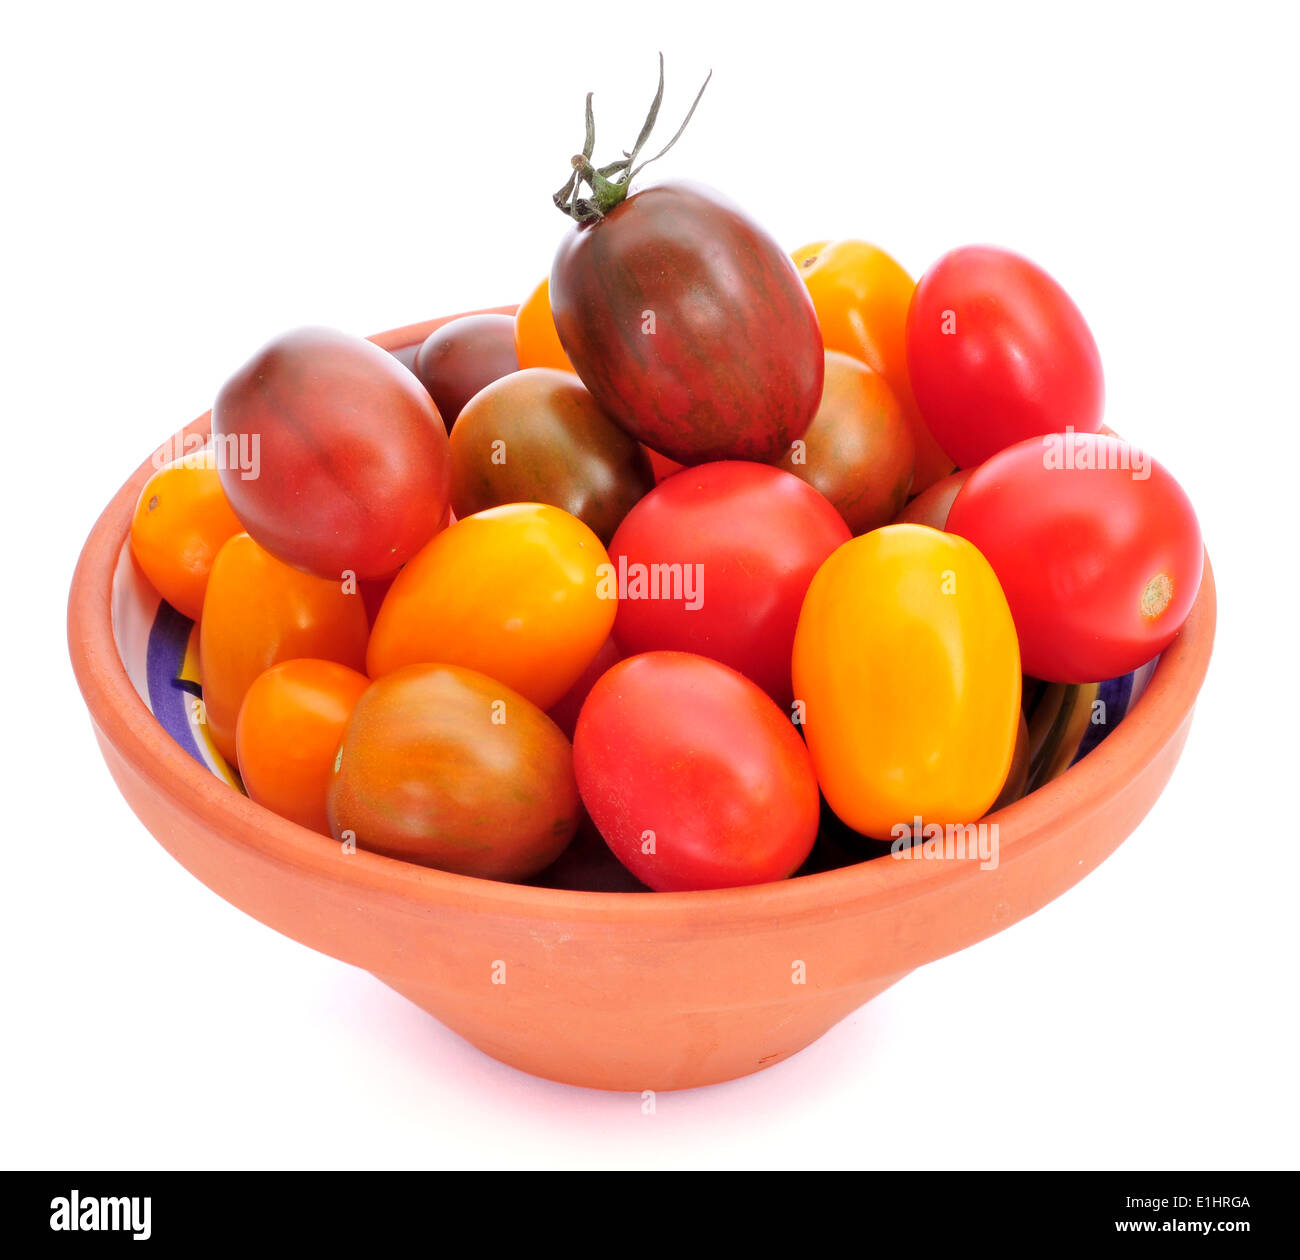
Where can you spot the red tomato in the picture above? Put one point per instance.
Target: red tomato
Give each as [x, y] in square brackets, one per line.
[716, 560]
[1096, 546]
[998, 352]
[351, 457]
[932, 505]
[564, 712]
[693, 776]
[462, 357]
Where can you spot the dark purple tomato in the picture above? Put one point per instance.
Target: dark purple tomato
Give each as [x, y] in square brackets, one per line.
[537, 436]
[690, 326]
[332, 455]
[460, 358]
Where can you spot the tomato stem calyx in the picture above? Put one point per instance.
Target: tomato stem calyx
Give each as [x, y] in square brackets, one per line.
[609, 184]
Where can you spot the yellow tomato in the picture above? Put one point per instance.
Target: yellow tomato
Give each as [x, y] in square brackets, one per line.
[522, 593]
[861, 296]
[908, 668]
[537, 343]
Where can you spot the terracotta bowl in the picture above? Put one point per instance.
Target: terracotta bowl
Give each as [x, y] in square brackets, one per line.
[626, 991]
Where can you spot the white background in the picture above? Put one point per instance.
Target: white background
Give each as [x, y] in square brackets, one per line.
[182, 181]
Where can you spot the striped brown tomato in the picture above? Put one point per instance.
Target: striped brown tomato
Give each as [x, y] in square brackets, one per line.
[689, 325]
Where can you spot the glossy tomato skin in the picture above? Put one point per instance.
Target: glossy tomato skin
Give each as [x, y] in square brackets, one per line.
[182, 519]
[1100, 566]
[746, 540]
[288, 732]
[906, 665]
[998, 352]
[449, 768]
[537, 344]
[258, 611]
[353, 472]
[693, 776]
[689, 325]
[519, 592]
[538, 436]
[931, 506]
[457, 360]
[858, 452]
[862, 296]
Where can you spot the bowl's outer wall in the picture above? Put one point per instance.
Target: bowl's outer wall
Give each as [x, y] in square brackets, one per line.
[622, 991]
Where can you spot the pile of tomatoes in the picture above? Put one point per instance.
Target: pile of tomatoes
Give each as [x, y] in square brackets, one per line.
[704, 545]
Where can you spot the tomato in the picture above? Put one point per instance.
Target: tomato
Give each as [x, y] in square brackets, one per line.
[351, 456]
[259, 611]
[289, 728]
[998, 352]
[460, 358]
[520, 592]
[716, 561]
[538, 437]
[564, 712]
[931, 507]
[861, 296]
[661, 464]
[181, 520]
[449, 768]
[858, 451]
[1097, 548]
[537, 344]
[689, 326]
[693, 776]
[906, 665]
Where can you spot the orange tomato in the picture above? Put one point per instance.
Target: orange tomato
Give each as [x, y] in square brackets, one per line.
[288, 734]
[181, 520]
[908, 667]
[257, 612]
[537, 344]
[523, 593]
[861, 296]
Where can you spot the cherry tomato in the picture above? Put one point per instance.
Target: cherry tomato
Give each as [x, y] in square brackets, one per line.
[181, 520]
[343, 456]
[564, 712]
[1097, 548]
[693, 776]
[538, 437]
[906, 665]
[998, 352]
[861, 296]
[662, 465]
[931, 507]
[462, 357]
[716, 561]
[521, 593]
[689, 326]
[858, 451]
[449, 768]
[289, 728]
[259, 611]
[537, 344]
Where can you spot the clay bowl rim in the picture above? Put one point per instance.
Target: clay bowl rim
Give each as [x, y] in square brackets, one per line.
[863, 888]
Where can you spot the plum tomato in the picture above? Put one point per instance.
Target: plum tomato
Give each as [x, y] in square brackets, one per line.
[858, 451]
[259, 611]
[539, 437]
[347, 467]
[997, 353]
[449, 768]
[716, 560]
[460, 358]
[520, 592]
[564, 712]
[861, 296]
[907, 671]
[689, 325]
[537, 344]
[182, 518]
[693, 776]
[1096, 546]
[289, 728]
[931, 507]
